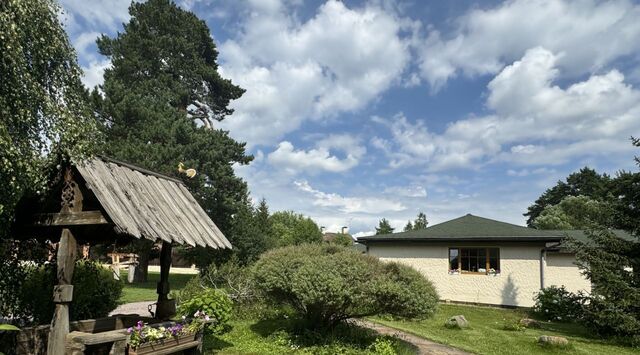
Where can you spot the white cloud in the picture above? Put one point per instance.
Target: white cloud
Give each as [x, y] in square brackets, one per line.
[321, 157]
[591, 34]
[93, 74]
[527, 172]
[93, 14]
[407, 191]
[534, 122]
[337, 61]
[370, 205]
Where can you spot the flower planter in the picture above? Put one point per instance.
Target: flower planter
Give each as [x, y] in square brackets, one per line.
[166, 345]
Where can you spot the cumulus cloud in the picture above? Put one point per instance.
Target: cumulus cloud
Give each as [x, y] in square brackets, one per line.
[338, 61]
[370, 205]
[94, 14]
[319, 158]
[590, 33]
[534, 121]
[407, 191]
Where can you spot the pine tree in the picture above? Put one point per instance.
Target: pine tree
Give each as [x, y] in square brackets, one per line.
[162, 97]
[408, 227]
[612, 264]
[384, 227]
[420, 222]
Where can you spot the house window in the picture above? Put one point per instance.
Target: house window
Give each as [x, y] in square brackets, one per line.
[474, 260]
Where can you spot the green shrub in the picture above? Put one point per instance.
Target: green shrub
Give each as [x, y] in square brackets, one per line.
[214, 303]
[236, 280]
[557, 304]
[95, 292]
[327, 284]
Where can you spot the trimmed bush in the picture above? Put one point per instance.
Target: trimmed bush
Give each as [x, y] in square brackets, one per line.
[557, 304]
[95, 292]
[327, 284]
[214, 303]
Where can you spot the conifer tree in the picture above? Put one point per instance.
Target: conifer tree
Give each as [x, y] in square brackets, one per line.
[408, 227]
[612, 264]
[420, 222]
[384, 227]
[161, 99]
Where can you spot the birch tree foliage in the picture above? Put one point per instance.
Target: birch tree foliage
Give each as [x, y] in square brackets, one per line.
[43, 111]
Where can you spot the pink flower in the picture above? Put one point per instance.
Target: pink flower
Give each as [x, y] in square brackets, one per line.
[206, 318]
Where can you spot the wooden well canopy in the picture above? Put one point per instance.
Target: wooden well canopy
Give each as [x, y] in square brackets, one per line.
[144, 204]
[98, 199]
[123, 200]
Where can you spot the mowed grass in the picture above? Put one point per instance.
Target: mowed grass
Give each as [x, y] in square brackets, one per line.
[274, 337]
[146, 291]
[487, 335]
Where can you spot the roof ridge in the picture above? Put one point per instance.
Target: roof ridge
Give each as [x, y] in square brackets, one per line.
[139, 169]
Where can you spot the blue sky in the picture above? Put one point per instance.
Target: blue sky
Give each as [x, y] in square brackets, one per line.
[359, 110]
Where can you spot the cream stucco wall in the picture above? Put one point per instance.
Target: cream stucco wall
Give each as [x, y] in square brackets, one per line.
[517, 283]
[561, 270]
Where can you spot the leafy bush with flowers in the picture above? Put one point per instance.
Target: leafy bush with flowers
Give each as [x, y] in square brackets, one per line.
[143, 333]
[214, 305]
[557, 304]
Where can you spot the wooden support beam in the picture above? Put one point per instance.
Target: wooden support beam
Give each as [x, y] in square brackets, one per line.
[165, 308]
[66, 259]
[67, 219]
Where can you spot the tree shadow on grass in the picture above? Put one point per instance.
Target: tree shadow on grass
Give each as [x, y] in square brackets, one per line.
[344, 334]
[215, 343]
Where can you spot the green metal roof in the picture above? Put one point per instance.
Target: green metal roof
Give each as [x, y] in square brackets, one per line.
[474, 228]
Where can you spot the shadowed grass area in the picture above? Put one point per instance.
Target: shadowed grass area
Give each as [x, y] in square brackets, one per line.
[146, 291]
[275, 336]
[487, 334]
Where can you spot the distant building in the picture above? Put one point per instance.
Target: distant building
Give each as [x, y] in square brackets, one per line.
[478, 260]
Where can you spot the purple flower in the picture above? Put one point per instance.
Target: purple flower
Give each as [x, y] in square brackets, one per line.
[129, 330]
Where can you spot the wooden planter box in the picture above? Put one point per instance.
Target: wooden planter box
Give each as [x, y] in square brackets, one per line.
[167, 345]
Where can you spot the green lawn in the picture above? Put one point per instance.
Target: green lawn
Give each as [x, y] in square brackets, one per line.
[487, 336]
[147, 291]
[274, 337]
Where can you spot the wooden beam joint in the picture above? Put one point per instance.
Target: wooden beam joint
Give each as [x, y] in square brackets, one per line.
[67, 219]
[62, 293]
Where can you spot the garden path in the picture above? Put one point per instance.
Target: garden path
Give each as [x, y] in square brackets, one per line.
[424, 346]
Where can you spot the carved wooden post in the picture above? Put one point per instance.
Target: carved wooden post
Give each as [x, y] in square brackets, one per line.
[165, 308]
[66, 257]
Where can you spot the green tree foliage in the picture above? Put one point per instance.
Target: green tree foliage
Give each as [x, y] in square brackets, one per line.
[342, 239]
[408, 227]
[290, 228]
[420, 221]
[611, 264]
[328, 284]
[43, 106]
[95, 292]
[586, 182]
[384, 227]
[575, 212]
[162, 96]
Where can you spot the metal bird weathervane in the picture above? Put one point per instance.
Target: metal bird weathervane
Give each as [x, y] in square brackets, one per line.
[189, 172]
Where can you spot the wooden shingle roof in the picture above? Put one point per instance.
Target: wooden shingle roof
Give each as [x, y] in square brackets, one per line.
[144, 204]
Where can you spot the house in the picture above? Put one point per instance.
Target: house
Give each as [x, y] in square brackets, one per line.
[477, 260]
